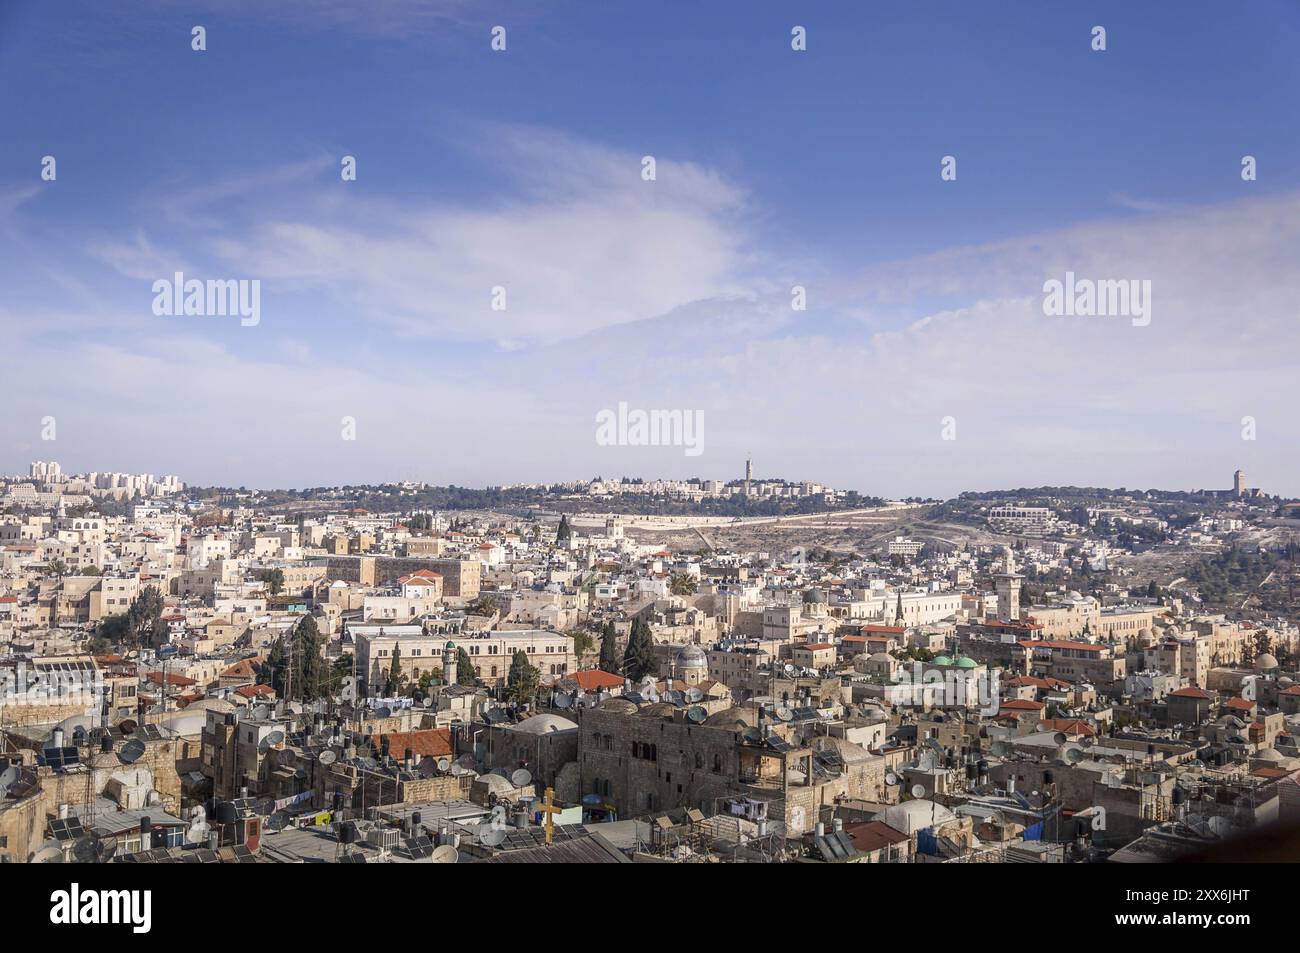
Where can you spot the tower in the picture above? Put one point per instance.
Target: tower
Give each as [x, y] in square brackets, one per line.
[1239, 484]
[449, 663]
[1009, 596]
[749, 473]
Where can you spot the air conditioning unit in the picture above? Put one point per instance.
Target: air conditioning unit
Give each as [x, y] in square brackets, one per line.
[384, 837]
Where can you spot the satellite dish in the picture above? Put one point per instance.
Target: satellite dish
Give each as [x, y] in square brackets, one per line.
[127, 726]
[50, 854]
[446, 854]
[261, 712]
[444, 765]
[327, 757]
[459, 770]
[562, 701]
[492, 837]
[131, 752]
[1075, 755]
[522, 778]
[696, 714]
[891, 778]
[784, 714]
[428, 701]
[383, 712]
[7, 777]
[1060, 738]
[918, 791]
[275, 738]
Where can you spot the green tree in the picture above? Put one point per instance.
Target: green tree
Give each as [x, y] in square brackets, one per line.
[297, 668]
[395, 677]
[582, 642]
[564, 533]
[609, 661]
[272, 671]
[639, 657]
[523, 679]
[115, 628]
[683, 585]
[145, 627]
[465, 669]
[273, 579]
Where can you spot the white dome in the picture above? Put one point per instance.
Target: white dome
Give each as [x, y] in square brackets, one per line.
[1267, 660]
[912, 816]
[692, 657]
[543, 725]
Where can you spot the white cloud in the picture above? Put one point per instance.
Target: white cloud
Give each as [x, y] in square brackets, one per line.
[583, 244]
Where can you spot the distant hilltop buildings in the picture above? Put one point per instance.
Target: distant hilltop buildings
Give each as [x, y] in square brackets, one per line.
[47, 485]
[1239, 489]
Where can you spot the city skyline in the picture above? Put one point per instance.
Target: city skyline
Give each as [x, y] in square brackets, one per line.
[923, 365]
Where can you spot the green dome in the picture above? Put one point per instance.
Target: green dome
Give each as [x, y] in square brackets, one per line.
[941, 660]
[966, 662]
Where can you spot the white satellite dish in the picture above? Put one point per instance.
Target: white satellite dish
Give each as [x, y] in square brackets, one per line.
[446, 854]
[521, 778]
[49, 853]
[918, 791]
[444, 765]
[327, 757]
[891, 778]
[491, 837]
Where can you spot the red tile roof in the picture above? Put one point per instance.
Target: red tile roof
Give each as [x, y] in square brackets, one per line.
[593, 679]
[428, 742]
[178, 680]
[1021, 704]
[874, 835]
[1071, 726]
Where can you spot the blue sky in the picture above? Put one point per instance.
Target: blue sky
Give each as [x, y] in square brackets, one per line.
[776, 168]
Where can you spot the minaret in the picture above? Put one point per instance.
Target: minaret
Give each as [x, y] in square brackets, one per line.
[1008, 584]
[449, 663]
[749, 473]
